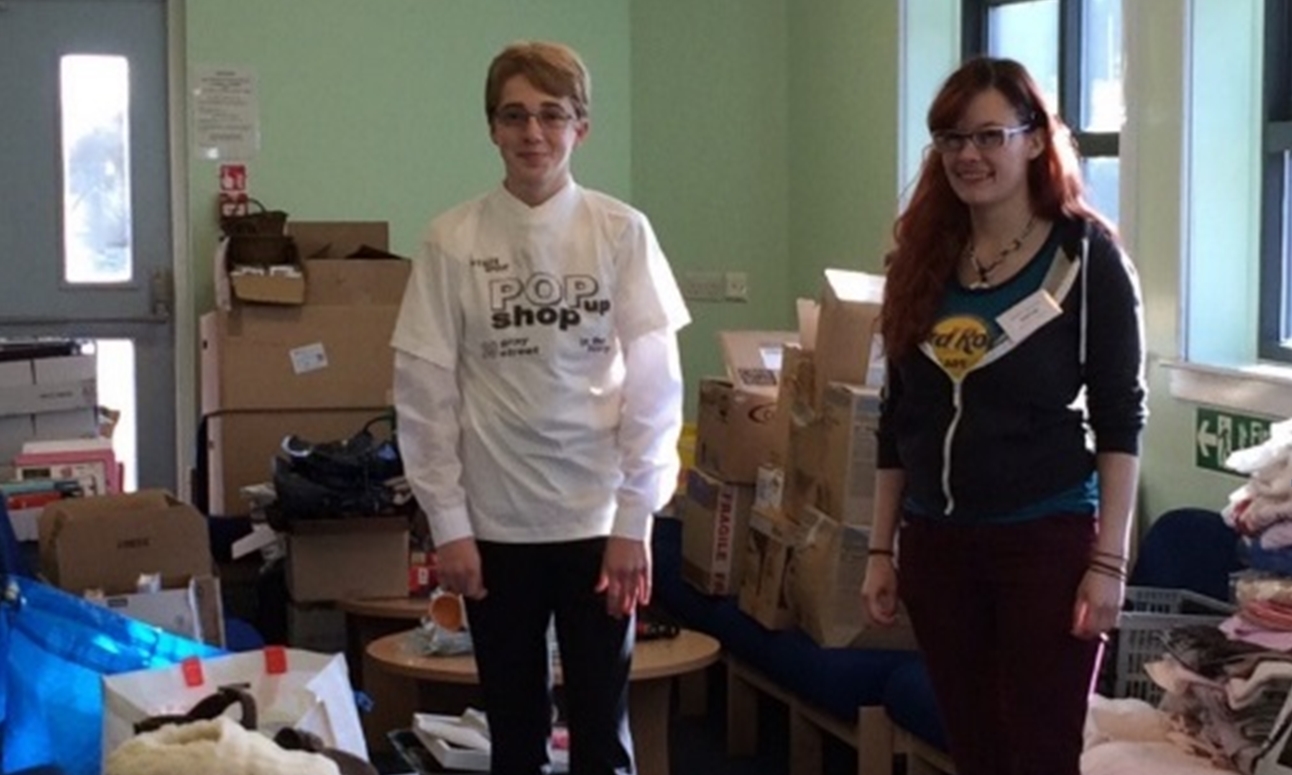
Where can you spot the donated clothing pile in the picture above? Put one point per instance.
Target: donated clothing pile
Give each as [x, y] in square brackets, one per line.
[1226, 686]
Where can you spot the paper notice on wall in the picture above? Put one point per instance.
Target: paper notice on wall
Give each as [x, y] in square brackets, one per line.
[226, 113]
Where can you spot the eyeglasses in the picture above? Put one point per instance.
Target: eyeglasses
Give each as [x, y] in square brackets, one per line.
[950, 141]
[516, 117]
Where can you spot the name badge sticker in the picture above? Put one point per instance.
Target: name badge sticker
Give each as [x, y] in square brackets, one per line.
[1019, 321]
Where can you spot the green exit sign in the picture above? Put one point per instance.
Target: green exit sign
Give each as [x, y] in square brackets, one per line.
[1219, 433]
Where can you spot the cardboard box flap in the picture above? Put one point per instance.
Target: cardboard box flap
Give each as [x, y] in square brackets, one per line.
[847, 344]
[338, 239]
[807, 311]
[80, 508]
[854, 287]
[753, 358]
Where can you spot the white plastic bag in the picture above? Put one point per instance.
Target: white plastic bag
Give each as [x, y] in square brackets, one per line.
[291, 687]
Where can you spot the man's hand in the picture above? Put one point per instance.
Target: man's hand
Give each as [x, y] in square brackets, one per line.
[625, 575]
[457, 564]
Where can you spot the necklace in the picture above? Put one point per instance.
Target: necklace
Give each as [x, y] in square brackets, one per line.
[984, 270]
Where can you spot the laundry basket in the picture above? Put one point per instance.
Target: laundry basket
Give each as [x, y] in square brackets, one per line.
[1150, 612]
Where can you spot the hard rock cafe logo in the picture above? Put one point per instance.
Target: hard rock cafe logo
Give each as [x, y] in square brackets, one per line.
[959, 343]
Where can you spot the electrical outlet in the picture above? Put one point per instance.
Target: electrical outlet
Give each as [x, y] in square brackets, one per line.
[737, 287]
[703, 285]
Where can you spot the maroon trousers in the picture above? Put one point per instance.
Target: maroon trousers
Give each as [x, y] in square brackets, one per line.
[992, 607]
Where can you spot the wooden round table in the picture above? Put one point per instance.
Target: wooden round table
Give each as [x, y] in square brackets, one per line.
[655, 663]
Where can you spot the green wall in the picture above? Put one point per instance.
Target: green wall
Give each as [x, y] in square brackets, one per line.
[843, 127]
[709, 156]
[375, 110]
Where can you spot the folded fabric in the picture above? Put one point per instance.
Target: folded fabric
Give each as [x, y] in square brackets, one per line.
[217, 747]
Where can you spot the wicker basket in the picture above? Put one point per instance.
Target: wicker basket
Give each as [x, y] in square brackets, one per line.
[1149, 613]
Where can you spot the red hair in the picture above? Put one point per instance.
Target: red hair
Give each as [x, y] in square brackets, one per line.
[931, 233]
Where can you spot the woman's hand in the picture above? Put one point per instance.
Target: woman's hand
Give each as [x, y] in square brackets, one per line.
[1098, 605]
[879, 589]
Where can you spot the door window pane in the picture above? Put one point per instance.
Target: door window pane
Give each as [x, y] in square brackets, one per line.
[1102, 106]
[115, 360]
[1103, 174]
[1029, 33]
[94, 102]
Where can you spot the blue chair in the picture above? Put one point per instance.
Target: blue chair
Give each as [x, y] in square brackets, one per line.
[1189, 549]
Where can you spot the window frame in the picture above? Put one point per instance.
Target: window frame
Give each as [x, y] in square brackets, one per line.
[1274, 325]
[974, 37]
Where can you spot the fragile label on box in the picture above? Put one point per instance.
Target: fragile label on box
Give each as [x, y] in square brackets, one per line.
[714, 518]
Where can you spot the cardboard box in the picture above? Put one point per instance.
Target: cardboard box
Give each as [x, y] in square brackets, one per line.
[715, 522]
[310, 357]
[47, 385]
[753, 358]
[339, 559]
[280, 283]
[849, 421]
[316, 627]
[846, 326]
[805, 458]
[108, 541]
[334, 276]
[192, 609]
[796, 400]
[734, 431]
[241, 446]
[14, 432]
[356, 281]
[70, 424]
[769, 547]
[825, 573]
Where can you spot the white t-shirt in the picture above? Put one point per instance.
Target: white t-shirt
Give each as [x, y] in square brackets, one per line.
[531, 307]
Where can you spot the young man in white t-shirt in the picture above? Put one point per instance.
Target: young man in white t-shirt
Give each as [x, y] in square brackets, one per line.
[539, 395]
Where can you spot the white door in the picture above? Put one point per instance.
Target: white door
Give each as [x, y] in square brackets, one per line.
[85, 221]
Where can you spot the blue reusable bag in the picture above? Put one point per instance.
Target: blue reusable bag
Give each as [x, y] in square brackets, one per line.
[56, 649]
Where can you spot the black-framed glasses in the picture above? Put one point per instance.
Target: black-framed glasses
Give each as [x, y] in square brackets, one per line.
[951, 141]
[516, 117]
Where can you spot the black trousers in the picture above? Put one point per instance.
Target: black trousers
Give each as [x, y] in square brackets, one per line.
[527, 585]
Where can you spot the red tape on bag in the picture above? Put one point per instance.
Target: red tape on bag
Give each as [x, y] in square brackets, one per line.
[275, 660]
[191, 669]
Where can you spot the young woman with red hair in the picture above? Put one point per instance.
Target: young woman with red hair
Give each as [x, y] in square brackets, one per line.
[1009, 436]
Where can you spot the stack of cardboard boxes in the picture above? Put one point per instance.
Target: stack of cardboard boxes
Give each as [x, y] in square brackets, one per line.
[316, 362]
[49, 429]
[789, 440]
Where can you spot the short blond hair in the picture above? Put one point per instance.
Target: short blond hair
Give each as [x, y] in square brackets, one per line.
[553, 67]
